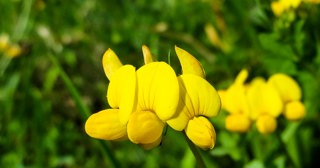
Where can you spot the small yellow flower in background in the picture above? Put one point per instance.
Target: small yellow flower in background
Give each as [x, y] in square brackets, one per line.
[10, 50]
[142, 102]
[279, 7]
[13, 51]
[265, 105]
[282, 6]
[234, 101]
[262, 102]
[290, 93]
[4, 41]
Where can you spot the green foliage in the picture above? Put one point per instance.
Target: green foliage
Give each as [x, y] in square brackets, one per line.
[48, 91]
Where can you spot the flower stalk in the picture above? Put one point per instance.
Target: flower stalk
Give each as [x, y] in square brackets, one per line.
[195, 152]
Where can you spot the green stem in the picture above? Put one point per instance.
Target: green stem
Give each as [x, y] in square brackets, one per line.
[85, 113]
[194, 149]
[283, 146]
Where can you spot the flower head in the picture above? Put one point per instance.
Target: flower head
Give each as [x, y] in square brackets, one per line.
[198, 100]
[141, 101]
[290, 93]
[234, 100]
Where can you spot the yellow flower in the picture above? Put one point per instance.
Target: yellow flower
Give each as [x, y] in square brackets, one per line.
[141, 102]
[4, 42]
[158, 96]
[279, 7]
[198, 99]
[10, 50]
[263, 99]
[121, 97]
[290, 93]
[13, 50]
[234, 100]
[265, 105]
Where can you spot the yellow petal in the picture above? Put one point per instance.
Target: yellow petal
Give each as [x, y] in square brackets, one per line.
[180, 121]
[294, 110]
[105, 125]
[263, 99]
[201, 132]
[287, 87]
[203, 97]
[241, 77]
[152, 145]
[197, 97]
[144, 127]
[110, 63]
[189, 64]
[158, 89]
[238, 123]
[266, 124]
[122, 91]
[148, 57]
[277, 8]
[235, 100]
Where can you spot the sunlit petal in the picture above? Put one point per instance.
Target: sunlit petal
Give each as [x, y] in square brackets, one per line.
[158, 89]
[294, 110]
[203, 97]
[201, 132]
[144, 127]
[266, 124]
[122, 91]
[189, 64]
[105, 125]
[147, 56]
[110, 63]
[287, 87]
[238, 123]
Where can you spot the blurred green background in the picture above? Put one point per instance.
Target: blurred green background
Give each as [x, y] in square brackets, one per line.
[50, 88]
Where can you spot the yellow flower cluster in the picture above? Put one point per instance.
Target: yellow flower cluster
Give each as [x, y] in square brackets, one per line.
[143, 101]
[11, 50]
[261, 101]
[281, 6]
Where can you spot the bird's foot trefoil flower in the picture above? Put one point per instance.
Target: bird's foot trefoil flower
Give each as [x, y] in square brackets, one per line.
[143, 101]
